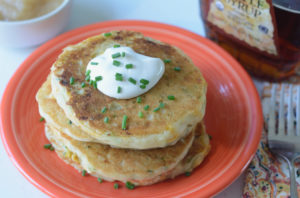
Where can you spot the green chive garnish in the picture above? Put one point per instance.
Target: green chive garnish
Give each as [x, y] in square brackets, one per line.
[70, 122]
[119, 77]
[171, 97]
[187, 174]
[146, 107]
[87, 78]
[116, 63]
[83, 173]
[47, 146]
[149, 171]
[144, 81]
[107, 34]
[133, 81]
[116, 186]
[161, 105]
[91, 82]
[141, 115]
[51, 148]
[139, 99]
[116, 55]
[99, 180]
[98, 78]
[94, 63]
[87, 73]
[42, 119]
[130, 185]
[156, 109]
[119, 90]
[142, 86]
[104, 109]
[129, 66]
[210, 137]
[117, 45]
[177, 68]
[124, 122]
[95, 84]
[167, 60]
[71, 80]
[82, 84]
[106, 119]
[123, 54]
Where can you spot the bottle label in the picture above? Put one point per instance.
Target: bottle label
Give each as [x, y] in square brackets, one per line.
[246, 20]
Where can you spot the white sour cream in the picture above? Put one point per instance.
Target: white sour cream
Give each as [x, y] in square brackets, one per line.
[143, 68]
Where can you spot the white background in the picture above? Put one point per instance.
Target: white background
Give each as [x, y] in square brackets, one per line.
[182, 13]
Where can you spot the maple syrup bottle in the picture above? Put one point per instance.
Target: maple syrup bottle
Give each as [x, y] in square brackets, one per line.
[263, 35]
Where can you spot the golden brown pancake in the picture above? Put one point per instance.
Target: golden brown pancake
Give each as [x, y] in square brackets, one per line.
[158, 129]
[141, 167]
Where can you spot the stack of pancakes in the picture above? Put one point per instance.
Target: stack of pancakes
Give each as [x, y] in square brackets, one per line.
[152, 148]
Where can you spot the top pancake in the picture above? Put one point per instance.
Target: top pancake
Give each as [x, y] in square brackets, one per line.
[157, 129]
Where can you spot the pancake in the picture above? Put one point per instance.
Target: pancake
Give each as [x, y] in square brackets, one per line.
[158, 129]
[140, 167]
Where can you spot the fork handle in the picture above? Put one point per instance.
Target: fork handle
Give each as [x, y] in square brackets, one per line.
[293, 183]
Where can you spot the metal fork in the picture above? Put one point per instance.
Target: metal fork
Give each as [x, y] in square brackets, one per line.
[284, 127]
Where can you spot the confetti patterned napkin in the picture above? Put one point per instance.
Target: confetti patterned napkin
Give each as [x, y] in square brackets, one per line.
[267, 175]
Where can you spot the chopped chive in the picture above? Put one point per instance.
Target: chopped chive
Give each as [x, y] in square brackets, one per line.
[83, 173]
[91, 82]
[187, 174]
[129, 66]
[87, 78]
[171, 97]
[133, 81]
[130, 185]
[42, 119]
[146, 107]
[156, 109]
[149, 171]
[210, 137]
[139, 99]
[119, 90]
[99, 180]
[124, 122]
[98, 78]
[117, 45]
[177, 69]
[116, 63]
[94, 63]
[116, 55]
[107, 34]
[47, 146]
[70, 121]
[51, 148]
[161, 105]
[82, 84]
[116, 185]
[142, 86]
[104, 109]
[87, 73]
[106, 119]
[119, 77]
[141, 115]
[95, 84]
[167, 60]
[144, 81]
[72, 80]
[123, 54]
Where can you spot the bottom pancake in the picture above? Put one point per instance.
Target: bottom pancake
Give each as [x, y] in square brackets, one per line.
[140, 167]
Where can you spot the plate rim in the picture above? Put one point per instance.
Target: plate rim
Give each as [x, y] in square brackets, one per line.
[12, 152]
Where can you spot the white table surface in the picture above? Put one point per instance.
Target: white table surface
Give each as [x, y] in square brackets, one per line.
[182, 13]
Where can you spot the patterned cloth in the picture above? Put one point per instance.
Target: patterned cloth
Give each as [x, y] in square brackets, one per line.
[268, 176]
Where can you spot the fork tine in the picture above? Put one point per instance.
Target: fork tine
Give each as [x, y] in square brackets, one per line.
[290, 115]
[271, 122]
[298, 111]
[281, 111]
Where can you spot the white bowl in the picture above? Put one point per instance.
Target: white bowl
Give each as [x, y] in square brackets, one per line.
[19, 34]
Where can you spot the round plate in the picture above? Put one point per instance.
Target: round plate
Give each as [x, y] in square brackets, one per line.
[233, 119]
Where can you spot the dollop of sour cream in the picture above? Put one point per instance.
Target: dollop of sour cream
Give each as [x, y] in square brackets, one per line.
[122, 73]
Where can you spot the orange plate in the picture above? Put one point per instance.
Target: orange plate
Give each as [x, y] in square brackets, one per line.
[233, 119]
